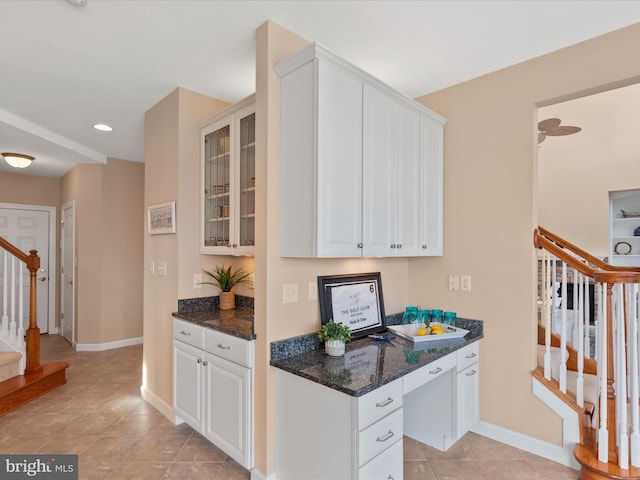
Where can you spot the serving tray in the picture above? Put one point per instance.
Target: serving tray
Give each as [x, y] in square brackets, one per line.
[449, 332]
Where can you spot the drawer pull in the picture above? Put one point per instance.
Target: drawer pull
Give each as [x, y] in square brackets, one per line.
[473, 355]
[385, 437]
[385, 403]
[182, 332]
[471, 373]
[437, 370]
[223, 347]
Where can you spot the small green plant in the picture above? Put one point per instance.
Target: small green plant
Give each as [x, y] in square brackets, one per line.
[335, 331]
[225, 279]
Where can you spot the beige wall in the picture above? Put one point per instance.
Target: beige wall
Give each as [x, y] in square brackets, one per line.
[172, 171]
[490, 205]
[109, 219]
[577, 172]
[27, 189]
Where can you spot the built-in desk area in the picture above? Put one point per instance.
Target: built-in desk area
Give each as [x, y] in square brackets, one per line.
[341, 418]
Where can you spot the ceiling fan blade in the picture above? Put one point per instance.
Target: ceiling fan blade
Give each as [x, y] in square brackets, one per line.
[545, 125]
[541, 137]
[562, 130]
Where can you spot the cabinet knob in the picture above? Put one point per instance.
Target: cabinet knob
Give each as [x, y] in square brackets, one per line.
[424, 246]
[199, 360]
[235, 245]
[393, 245]
[399, 245]
[205, 363]
[359, 245]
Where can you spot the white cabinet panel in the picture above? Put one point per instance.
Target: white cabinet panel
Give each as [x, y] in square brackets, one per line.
[386, 466]
[188, 388]
[468, 399]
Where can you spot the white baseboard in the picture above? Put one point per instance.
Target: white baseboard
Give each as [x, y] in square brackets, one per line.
[529, 444]
[100, 347]
[163, 407]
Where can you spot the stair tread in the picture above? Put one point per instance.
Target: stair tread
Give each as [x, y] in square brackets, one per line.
[9, 357]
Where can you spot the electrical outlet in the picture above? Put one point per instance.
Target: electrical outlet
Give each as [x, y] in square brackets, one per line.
[465, 281]
[454, 282]
[162, 269]
[289, 293]
[152, 267]
[197, 280]
[313, 291]
[252, 279]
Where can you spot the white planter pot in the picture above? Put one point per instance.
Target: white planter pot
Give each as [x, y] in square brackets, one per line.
[334, 348]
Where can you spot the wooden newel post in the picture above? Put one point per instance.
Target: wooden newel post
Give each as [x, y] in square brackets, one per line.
[33, 332]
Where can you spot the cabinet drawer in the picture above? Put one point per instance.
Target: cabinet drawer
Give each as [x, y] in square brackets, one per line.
[386, 466]
[227, 346]
[379, 436]
[188, 333]
[419, 377]
[380, 402]
[468, 356]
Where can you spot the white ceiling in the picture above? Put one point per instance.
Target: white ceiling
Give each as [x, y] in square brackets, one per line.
[66, 67]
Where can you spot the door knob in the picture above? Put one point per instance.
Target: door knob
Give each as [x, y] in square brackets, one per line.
[42, 279]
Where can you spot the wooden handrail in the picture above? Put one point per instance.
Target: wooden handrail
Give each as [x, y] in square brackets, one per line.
[586, 255]
[13, 250]
[541, 241]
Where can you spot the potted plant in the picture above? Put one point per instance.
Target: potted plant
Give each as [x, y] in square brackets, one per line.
[334, 335]
[225, 279]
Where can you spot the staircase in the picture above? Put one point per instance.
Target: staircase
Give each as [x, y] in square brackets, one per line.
[589, 361]
[20, 348]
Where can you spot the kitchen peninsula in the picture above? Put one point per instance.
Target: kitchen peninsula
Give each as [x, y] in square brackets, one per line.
[346, 416]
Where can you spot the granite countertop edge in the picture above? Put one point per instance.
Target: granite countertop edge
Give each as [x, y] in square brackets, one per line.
[307, 351]
[237, 322]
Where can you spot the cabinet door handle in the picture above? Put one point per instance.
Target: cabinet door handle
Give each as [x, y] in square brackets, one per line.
[205, 363]
[182, 332]
[385, 437]
[390, 478]
[424, 246]
[359, 245]
[399, 245]
[235, 245]
[385, 403]
[437, 370]
[223, 347]
[471, 373]
[473, 355]
[199, 360]
[393, 245]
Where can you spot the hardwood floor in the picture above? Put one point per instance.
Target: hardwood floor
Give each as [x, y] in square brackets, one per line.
[99, 415]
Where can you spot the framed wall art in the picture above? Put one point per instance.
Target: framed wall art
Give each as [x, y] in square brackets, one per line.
[353, 299]
[161, 218]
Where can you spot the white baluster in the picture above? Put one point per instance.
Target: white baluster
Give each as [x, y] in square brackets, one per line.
[633, 373]
[563, 333]
[579, 322]
[20, 334]
[621, 383]
[547, 313]
[587, 319]
[603, 435]
[5, 292]
[12, 323]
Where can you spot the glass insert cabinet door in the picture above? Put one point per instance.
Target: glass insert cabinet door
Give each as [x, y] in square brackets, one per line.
[229, 181]
[217, 187]
[247, 182]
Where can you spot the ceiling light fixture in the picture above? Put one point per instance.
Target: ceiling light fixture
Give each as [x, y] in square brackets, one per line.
[103, 127]
[17, 160]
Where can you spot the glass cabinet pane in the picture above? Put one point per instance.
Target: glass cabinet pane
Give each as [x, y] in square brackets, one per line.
[247, 180]
[217, 176]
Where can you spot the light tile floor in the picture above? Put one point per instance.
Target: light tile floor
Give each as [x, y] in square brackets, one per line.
[100, 416]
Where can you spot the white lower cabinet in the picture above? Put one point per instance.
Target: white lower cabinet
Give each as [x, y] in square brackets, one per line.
[386, 466]
[467, 389]
[214, 395]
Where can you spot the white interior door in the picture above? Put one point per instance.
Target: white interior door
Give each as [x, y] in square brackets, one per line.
[68, 273]
[29, 230]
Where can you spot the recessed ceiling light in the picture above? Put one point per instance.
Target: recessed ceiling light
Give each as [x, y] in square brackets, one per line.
[102, 127]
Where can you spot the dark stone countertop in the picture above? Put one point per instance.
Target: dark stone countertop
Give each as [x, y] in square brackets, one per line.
[237, 322]
[367, 364]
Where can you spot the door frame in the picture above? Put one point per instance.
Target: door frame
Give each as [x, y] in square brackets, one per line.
[63, 247]
[53, 279]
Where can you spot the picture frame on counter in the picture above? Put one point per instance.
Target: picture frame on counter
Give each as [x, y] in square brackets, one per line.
[353, 299]
[161, 218]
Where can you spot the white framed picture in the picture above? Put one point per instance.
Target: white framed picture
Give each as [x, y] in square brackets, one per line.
[161, 218]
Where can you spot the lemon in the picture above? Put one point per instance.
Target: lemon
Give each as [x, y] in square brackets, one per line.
[421, 332]
[436, 330]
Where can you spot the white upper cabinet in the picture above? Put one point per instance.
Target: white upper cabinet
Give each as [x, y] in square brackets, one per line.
[355, 164]
[228, 181]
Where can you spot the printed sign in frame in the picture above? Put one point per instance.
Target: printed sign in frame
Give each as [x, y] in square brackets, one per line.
[353, 299]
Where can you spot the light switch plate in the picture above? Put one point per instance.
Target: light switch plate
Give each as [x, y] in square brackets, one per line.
[313, 291]
[289, 293]
[197, 280]
[162, 269]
